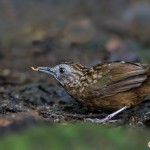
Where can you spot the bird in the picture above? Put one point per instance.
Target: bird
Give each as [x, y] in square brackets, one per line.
[109, 86]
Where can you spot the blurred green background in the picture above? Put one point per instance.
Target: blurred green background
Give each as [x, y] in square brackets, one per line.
[78, 137]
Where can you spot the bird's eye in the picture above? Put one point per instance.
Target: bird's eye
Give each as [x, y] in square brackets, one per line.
[61, 70]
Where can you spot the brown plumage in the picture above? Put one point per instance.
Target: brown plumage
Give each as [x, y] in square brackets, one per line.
[107, 86]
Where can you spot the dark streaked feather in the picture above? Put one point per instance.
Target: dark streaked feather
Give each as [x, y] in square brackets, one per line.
[121, 86]
[121, 77]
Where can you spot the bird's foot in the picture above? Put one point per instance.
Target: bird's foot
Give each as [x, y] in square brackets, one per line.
[108, 118]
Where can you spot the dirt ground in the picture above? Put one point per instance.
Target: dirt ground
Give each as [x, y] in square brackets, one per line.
[81, 34]
[29, 98]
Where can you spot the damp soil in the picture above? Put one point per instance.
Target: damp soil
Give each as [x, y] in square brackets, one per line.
[28, 98]
[83, 32]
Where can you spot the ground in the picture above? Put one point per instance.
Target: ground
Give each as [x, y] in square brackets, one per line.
[84, 32]
[29, 97]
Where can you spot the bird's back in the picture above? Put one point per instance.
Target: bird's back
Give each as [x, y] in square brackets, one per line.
[119, 84]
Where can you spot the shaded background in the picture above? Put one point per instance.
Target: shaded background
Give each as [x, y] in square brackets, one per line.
[57, 31]
[47, 32]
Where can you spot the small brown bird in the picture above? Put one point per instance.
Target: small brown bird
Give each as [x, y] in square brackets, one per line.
[113, 86]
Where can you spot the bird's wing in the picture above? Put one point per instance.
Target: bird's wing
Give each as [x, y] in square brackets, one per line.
[118, 77]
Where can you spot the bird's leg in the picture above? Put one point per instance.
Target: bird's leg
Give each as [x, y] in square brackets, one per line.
[109, 117]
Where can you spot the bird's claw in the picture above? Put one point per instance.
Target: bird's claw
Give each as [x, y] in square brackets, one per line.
[99, 120]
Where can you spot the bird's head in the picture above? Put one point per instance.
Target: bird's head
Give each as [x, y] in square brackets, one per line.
[65, 73]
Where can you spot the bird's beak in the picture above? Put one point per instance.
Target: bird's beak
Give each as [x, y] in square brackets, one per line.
[44, 69]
